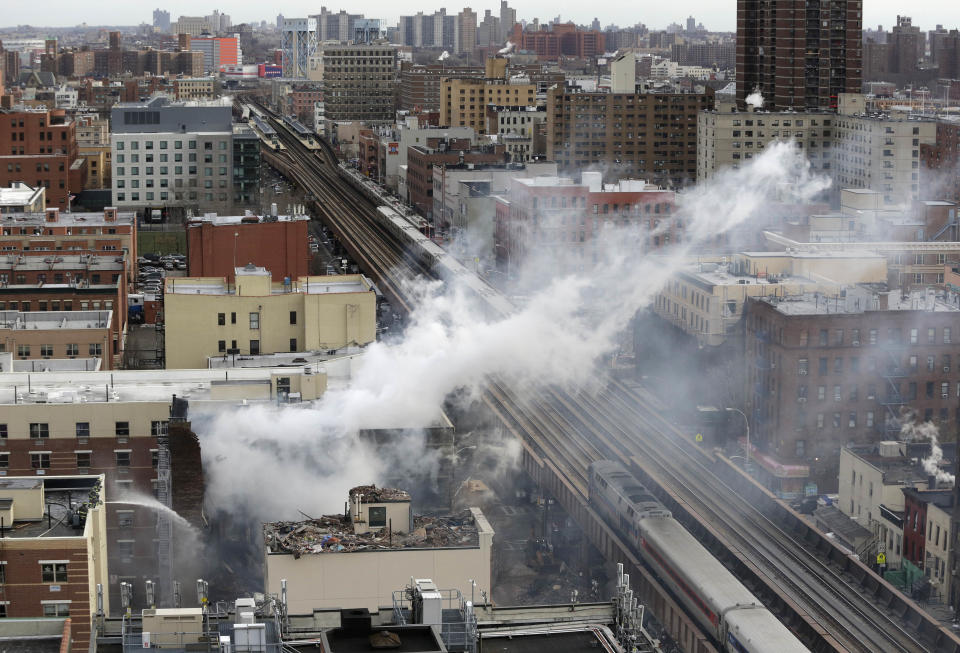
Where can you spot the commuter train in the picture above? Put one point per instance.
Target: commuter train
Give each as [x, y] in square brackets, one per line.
[442, 264]
[711, 594]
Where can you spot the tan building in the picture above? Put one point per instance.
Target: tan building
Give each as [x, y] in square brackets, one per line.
[361, 558]
[464, 101]
[707, 299]
[50, 568]
[359, 81]
[39, 335]
[208, 317]
[93, 144]
[195, 88]
[727, 138]
[881, 152]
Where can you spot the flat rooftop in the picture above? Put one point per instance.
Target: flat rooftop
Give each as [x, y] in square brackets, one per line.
[93, 263]
[334, 534]
[74, 387]
[320, 285]
[858, 299]
[59, 495]
[18, 195]
[247, 218]
[88, 219]
[55, 320]
[715, 274]
[904, 469]
[585, 639]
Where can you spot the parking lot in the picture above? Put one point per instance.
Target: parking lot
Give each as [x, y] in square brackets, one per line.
[152, 269]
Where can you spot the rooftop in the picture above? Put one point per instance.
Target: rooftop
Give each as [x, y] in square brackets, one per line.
[374, 494]
[942, 498]
[88, 219]
[19, 194]
[334, 534]
[902, 463]
[33, 497]
[860, 298]
[319, 285]
[54, 320]
[59, 261]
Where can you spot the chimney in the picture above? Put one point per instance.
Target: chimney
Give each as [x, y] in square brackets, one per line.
[110, 214]
[53, 215]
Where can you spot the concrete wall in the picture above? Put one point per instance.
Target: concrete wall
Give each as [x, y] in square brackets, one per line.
[367, 579]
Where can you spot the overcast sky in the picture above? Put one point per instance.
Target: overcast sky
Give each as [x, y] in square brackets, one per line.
[714, 15]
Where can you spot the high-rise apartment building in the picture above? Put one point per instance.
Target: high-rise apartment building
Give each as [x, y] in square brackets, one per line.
[466, 33]
[798, 55]
[358, 82]
[463, 102]
[650, 136]
[217, 51]
[161, 20]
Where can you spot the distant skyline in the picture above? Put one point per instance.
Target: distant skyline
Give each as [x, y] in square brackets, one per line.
[715, 16]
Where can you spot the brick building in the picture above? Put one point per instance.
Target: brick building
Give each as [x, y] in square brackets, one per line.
[109, 233]
[561, 40]
[941, 177]
[798, 56]
[824, 370]
[216, 245]
[40, 149]
[557, 215]
[917, 504]
[420, 85]
[650, 136]
[438, 151]
[51, 567]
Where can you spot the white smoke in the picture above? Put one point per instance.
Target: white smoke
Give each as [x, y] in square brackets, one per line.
[755, 100]
[914, 431]
[443, 56]
[275, 461]
[507, 49]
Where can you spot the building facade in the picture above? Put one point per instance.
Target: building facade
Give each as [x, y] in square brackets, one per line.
[798, 56]
[359, 82]
[207, 317]
[650, 136]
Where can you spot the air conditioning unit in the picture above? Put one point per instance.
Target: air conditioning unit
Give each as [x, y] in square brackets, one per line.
[802, 400]
[856, 343]
[803, 372]
[946, 368]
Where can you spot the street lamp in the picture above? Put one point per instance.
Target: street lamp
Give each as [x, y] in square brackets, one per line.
[747, 422]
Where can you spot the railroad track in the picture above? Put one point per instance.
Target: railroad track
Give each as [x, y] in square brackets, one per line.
[572, 431]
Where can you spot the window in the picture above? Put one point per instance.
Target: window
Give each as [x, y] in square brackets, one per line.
[122, 429]
[83, 429]
[293, 344]
[870, 418]
[4, 433]
[57, 609]
[822, 367]
[222, 346]
[931, 336]
[125, 548]
[377, 516]
[221, 319]
[946, 335]
[254, 320]
[852, 420]
[254, 347]
[802, 365]
[837, 394]
[823, 337]
[233, 318]
[125, 518]
[873, 336]
[819, 420]
[83, 459]
[40, 459]
[39, 430]
[123, 457]
[73, 349]
[96, 349]
[23, 350]
[801, 447]
[293, 317]
[158, 427]
[821, 392]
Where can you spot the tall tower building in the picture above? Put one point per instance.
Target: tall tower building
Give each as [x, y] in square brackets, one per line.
[798, 53]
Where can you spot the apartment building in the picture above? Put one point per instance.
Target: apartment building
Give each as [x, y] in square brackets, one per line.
[359, 82]
[727, 138]
[195, 88]
[826, 369]
[39, 147]
[650, 136]
[420, 85]
[421, 160]
[50, 565]
[93, 144]
[207, 317]
[559, 216]
[940, 169]
[176, 155]
[464, 101]
[880, 152]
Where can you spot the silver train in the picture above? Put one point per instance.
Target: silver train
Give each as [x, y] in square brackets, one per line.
[711, 594]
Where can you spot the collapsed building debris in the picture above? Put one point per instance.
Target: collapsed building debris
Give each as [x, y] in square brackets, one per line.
[334, 534]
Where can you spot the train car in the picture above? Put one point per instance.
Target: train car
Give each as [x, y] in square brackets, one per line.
[711, 594]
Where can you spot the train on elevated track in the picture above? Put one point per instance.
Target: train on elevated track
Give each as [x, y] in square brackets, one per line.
[711, 594]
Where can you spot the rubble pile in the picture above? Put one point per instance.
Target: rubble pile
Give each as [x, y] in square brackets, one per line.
[374, 494]
[334, 534]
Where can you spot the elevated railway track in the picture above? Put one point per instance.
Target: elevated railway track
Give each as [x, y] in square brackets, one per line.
[831, 602]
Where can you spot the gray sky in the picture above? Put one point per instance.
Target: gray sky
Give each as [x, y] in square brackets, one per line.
[715, 15]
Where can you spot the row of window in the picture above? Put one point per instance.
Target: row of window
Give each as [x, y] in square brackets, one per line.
[121, 429]
[892, 392]
[41, 459]
[164, 195]
[894, 335]
[895, 366]
[55, 304]
[254, 318]
[164, 158]
[163, 145]
[70, 349]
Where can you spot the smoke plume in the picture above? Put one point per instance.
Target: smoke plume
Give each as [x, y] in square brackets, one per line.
[914, 431]
[755, 100]
[275, 461]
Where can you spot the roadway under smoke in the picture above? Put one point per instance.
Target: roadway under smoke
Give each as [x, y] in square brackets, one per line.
[270, 462]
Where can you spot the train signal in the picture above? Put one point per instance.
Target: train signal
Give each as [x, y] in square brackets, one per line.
[699, 437]
[881, 558]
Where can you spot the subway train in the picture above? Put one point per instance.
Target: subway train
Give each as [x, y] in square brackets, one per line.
[710, 593]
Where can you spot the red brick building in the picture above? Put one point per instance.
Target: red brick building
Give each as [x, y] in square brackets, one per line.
[554, 214]
[562, 40]
[825, 371]
[40, 148]
[218, 244]
[915, 504]
[441, 151]
[941, 159]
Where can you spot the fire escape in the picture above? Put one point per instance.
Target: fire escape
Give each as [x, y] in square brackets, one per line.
[164, 526]
[891, 395]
